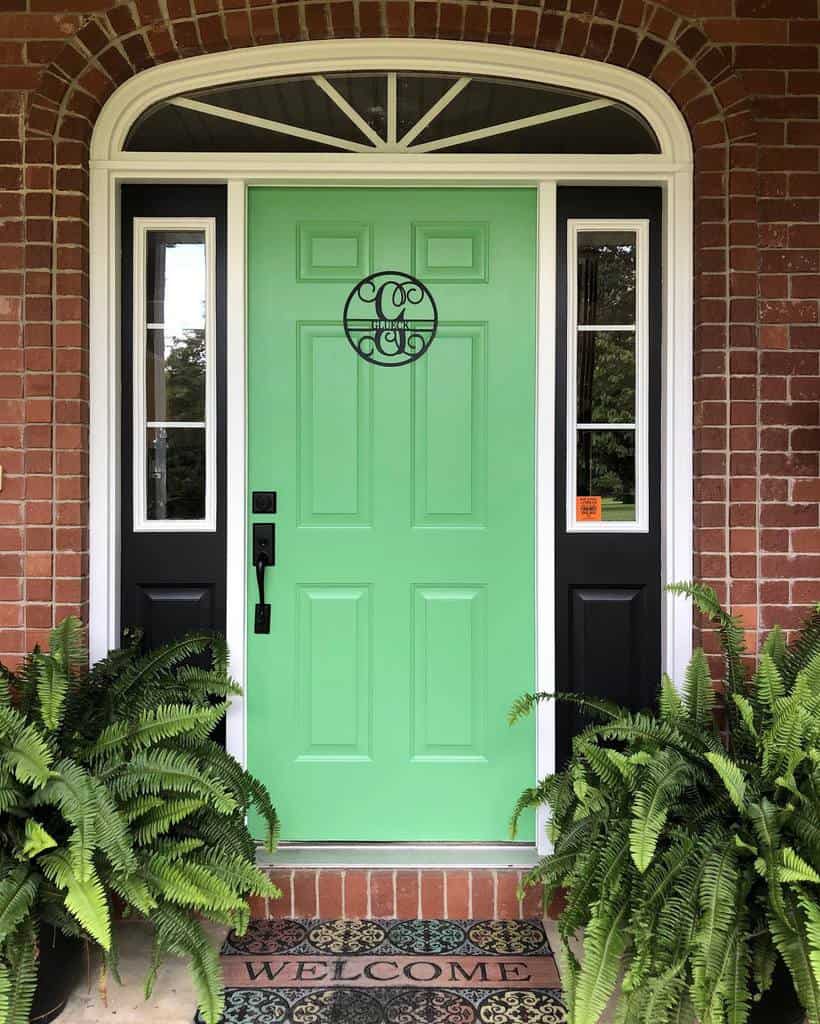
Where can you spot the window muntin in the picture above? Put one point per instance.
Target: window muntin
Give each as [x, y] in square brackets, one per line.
[174, 397]
[410, 112]
[607, 367]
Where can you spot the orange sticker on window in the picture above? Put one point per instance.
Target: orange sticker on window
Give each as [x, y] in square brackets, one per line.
[588, 509]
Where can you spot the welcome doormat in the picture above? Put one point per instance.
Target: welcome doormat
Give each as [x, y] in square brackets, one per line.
[311, 971]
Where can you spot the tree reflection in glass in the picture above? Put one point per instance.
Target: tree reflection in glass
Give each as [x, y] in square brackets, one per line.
[606, 372]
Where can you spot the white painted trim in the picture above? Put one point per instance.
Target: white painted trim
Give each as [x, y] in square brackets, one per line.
[511, 126]
[104, 415]
[545, 484]
[434, 55]
[641, 332]
[142, 524]
[349, 111]
[677, 480]
[236, 525]
[269, 125]
[672, 169]
[432, 113]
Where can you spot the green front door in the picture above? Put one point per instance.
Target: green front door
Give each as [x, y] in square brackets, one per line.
[402, 599]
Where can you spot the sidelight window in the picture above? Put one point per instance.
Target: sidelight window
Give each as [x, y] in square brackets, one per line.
[607, 365]
[173, 375]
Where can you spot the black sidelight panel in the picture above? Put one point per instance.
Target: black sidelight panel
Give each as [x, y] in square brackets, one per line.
[608, 582]
[166, 612]
[173, 580]
[608, 652]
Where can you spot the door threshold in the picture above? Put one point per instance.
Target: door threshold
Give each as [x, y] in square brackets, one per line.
[400, 855]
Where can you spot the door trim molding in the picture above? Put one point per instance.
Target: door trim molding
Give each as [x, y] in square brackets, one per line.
[672, 170]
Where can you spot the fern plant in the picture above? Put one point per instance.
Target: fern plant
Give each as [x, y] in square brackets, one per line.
[690, 853]
[112, 791]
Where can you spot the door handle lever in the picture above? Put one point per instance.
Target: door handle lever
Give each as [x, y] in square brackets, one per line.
[264, 554]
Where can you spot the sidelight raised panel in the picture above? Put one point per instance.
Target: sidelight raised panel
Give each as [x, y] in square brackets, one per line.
[449, 674]
[165, 613]
[335, 430]
[451, 251]
[608, 625]
[450, 430]
[333, 676]
[333, 251]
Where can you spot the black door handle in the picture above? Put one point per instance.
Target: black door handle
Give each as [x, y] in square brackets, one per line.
[264, 554]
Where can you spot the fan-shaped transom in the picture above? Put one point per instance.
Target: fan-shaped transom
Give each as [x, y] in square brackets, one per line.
[398, 112]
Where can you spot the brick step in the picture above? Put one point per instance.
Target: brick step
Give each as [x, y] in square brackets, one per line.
[404, 893]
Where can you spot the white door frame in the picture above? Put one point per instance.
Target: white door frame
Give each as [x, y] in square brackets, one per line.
[671, 170]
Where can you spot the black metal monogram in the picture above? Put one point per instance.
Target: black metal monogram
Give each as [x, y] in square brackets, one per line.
[390, 318]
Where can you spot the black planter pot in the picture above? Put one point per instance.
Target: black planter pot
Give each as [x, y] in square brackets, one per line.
[780, 1005]
[61, 965]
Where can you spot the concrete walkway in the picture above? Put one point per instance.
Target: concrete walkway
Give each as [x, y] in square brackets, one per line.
[173, 1000]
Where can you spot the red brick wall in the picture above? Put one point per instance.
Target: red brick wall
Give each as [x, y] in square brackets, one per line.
[744, 72]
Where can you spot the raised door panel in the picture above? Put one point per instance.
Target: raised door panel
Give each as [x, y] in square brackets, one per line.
[449, 672]
[450, 251]
[333, 673]
[333, 251]
[450, 429]
[334, 430]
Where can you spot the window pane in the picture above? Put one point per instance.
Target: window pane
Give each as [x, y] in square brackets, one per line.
[606, 277]
[605, 471]
[175, 376]
[606, 377]
[175, 466]
[175, 280]
[299, 102]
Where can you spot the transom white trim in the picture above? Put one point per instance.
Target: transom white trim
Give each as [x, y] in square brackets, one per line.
[470, 60]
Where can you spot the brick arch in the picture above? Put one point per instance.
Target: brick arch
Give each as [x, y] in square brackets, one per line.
[648, 38]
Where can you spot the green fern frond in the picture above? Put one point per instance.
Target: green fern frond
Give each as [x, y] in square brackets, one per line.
[36, 839]
[155, 726]
[25, 749]
[179, 935]
[52, 686]
[775, 646]
[594, 707]
[789, 931]
[764, 818]
[154, 771]
[793, 868]
[17, 894]
[604, 944]
[747, 714]
[731, 776]
[805, 647]
[66, 643]
[84, 896]
[20, 954]
[769, 686]
[698, 691]
[731, 633]
[812, 911]
[664, 779]
[160, 820]
[669, 700]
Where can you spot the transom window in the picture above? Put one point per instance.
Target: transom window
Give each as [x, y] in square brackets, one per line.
[402, 112]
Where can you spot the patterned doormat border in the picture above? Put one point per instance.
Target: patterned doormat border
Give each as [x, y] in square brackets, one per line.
[312, 971]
